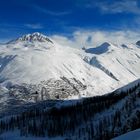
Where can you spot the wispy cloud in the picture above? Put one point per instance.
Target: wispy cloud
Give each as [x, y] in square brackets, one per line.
[119, 6]
[34, 26]
[95, 38]
[116, 6]
[53, 13]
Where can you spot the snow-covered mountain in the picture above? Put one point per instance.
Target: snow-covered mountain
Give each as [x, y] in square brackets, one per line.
[32, 37]
[34, 59]
[35, 69]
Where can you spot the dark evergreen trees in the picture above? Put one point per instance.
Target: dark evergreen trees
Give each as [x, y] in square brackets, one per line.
[77, 119]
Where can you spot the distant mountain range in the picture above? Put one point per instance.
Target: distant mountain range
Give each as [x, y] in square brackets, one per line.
[36, 71]
[33, 58]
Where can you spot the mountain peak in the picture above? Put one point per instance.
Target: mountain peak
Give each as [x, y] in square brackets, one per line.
[103, 48]
[34, 37]
[106, 44]
[138, 43]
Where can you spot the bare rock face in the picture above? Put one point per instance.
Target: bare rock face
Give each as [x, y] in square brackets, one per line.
[50, 89]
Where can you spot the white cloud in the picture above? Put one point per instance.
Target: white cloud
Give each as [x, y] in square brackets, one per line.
[34, 26]
[95, 38]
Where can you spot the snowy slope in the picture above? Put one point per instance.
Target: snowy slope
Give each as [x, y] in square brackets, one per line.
[34, 58]
[133, 135]
[123, 63]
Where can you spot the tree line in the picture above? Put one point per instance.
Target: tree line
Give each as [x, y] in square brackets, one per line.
[77, 120]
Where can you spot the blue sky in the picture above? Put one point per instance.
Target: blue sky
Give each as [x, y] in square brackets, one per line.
[64, 17]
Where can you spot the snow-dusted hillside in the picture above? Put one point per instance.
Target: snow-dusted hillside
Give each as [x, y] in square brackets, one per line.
[95, 118]
[34, 59]
[133, 135]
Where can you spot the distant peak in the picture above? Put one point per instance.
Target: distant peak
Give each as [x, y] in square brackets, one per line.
[106, 44]
[138, 43]
[103, 48]
[34, 37]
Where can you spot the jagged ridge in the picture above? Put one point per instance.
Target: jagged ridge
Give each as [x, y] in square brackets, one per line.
[33, 37]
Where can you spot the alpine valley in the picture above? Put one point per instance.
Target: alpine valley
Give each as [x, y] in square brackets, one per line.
[50, 91]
